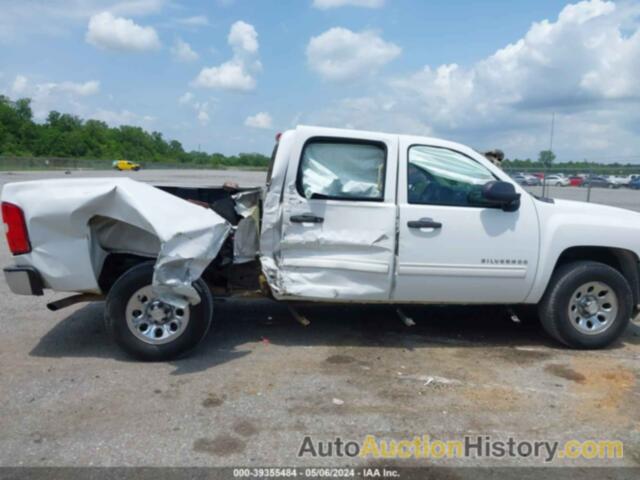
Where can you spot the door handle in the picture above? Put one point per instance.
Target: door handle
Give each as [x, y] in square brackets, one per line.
[306, 218]
[423, 223]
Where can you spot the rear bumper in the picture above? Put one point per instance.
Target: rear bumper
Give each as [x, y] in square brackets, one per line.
[24, 280]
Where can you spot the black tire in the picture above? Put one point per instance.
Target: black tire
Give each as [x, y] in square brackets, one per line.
[121, 292]
[554, 306]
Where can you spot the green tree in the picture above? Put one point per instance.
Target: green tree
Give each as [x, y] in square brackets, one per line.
[546, 158]
[66, 135]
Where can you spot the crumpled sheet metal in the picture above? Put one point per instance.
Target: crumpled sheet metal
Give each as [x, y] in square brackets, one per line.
[318, 264]
[272, 220]
[74, 223]
[246, 242]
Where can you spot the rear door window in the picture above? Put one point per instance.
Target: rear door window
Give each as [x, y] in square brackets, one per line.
[342, 169]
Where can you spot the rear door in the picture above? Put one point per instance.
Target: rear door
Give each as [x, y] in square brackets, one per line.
[452, 248]
[339, 215]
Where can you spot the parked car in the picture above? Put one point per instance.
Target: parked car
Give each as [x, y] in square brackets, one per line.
[635, 183]
[526, 180]
[599, 181]
[576, 181]
[345, 216]
[125, 165]
[556, 181]
[628, 179]
[617, 180]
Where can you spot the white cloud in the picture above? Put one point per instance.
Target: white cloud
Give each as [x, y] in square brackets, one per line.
[583, 66]
[22, 85]
[327, 4]
[19, 84]
[186, 99]
[46, 96]
[121, 34]
[201, 108]
[122, 117]
[583, 58]
[81, 89]
[183, 52]
[231, 75]
[236, 74]
[129, 7]
[259, 120]
[195, 21]
[340, 54]
[203, 117]
[56, 17]
[243, 38]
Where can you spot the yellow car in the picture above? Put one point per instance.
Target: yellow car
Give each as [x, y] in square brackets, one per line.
[126, 165]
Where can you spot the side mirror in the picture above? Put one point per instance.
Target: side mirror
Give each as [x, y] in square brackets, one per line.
[502, 194]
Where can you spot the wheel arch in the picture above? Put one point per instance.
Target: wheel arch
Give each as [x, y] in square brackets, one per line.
[115, 265]
[622, 260]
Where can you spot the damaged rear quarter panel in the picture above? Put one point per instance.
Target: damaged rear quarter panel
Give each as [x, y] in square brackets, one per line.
[74, 223]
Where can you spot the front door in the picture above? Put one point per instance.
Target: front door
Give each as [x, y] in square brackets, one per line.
[451, 247]
[339, 214]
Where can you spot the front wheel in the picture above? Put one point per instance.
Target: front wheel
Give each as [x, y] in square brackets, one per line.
[587, 305]
[149, 329]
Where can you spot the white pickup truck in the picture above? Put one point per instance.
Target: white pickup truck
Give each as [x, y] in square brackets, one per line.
[345, 216]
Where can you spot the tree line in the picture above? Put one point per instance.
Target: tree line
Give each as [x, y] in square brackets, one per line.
[63, 135]
[547, 160]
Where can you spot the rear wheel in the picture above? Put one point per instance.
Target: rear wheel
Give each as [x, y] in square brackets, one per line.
[148, 328]
[586, 305]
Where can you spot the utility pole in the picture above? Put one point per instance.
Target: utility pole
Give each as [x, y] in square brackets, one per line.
[544, 180]
[553, 121]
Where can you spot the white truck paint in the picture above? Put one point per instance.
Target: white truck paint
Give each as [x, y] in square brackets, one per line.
[352, 255]
[355, 216]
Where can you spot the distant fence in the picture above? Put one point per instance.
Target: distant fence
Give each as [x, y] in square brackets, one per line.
[569, 171]
[44, 163]
[8, 163]
[600, 192]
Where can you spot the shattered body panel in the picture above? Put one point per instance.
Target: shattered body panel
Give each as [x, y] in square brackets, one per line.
[74, 224]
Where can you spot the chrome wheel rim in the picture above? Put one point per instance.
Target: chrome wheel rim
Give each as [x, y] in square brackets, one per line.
[153, 321]
[593, 308]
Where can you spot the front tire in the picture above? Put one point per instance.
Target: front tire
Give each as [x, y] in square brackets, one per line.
[587, 305]
[149, 329]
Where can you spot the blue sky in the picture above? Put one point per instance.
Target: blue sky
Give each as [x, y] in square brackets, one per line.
[226, 75]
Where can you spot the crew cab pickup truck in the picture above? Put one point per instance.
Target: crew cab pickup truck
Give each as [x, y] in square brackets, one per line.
[345, 217]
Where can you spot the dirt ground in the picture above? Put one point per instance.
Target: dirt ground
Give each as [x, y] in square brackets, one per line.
[261, 382]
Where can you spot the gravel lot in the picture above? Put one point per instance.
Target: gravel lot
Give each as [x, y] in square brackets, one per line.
[261, 381]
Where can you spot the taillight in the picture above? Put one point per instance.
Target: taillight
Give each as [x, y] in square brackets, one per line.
[16, 229]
